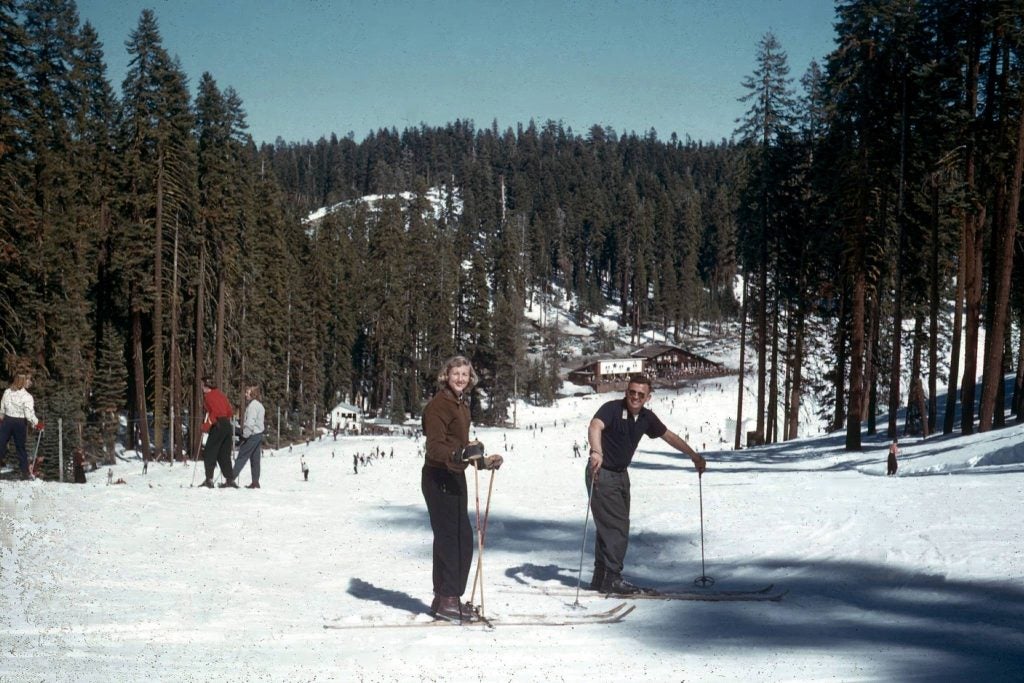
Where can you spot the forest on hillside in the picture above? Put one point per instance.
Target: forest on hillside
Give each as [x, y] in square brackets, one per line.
[870, 207]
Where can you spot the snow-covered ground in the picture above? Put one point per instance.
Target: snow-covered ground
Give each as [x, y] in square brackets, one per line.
[907, 578]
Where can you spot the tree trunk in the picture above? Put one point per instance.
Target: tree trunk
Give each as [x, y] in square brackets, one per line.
[839, 381]
[954, 354]
[221, 308]
[158, 311]
[856, 361]
[140, 382]
[933, 314]
[197, 416]
[972, 291]
[973, 220]
[871, 344]
[773, 389]
[1004, 239]
[176, 409]
[762, 341]
[796, 389]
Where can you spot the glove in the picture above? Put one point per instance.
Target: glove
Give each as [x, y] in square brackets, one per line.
[472, 451]
[40, 426]
[492, 462]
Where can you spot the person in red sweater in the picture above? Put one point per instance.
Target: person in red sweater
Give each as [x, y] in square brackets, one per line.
[217, 426]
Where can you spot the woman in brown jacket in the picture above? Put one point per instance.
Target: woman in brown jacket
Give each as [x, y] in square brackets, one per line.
[443, 482]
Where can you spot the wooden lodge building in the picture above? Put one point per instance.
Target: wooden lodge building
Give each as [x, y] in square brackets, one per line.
[663, 363]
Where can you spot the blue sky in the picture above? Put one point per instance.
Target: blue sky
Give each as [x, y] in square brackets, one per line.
[307, 68]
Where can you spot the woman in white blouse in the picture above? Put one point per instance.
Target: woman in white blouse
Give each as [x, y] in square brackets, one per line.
[18, 408]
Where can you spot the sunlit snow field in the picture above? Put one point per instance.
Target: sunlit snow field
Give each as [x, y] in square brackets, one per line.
[914, 577]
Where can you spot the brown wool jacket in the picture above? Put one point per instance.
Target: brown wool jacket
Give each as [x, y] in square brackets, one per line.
[446, 426]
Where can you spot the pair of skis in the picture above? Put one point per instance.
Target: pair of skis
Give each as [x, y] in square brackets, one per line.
[612, 615]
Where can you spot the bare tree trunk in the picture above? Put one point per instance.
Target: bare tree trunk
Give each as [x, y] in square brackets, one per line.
[954, 354]
[871, 344]
[857, 311]
[972, 289]
[177, 436]
[773, 388]
[796, 390]
[158, 311]
[140, 382]
[197, 416]
[221, 307]
[762, 340]
[897, 316]
[973, 220]
[933, 315]
[839, 381]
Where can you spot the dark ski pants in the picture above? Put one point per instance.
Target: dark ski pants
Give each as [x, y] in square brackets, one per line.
[609, 504]
[891, 465]
[217, 450]
[448, 506]
[248, 450]
[16, 427]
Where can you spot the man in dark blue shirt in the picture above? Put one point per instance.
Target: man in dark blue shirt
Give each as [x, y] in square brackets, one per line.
[614, 433]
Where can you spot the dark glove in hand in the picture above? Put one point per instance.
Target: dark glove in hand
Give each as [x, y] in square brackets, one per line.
[472, 451]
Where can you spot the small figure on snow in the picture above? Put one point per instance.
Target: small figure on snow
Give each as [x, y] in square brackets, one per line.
[894, 450]
[253, 426]
[217, 426]
[78, 466]
[305, 468]
[18, 408]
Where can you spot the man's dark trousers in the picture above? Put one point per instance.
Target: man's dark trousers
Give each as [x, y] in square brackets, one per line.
[609, 504]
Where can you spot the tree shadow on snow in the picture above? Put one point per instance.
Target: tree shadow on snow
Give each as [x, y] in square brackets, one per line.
[394, 599]
[920, 627]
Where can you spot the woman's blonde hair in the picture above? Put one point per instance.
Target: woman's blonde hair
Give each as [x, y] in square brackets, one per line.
[457, 362]
[20, 380]
[254, 391]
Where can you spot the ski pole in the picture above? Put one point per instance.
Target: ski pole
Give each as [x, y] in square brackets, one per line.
[479, 538]
[35, 453]
[195, 459]
[583, 543]
[703, 580]
[480, 555]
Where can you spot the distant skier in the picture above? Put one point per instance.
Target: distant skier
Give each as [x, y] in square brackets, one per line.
[217, 450]
[305, 467]
[355, 463]
[894, 450]
[18, 409]
[253, 426]
[78, 466]
[614, 433]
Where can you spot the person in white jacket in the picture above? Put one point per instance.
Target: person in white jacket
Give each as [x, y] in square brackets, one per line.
[18, 408]
[252, 436]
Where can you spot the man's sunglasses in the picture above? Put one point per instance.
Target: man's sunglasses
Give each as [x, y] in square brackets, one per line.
[636, 394]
